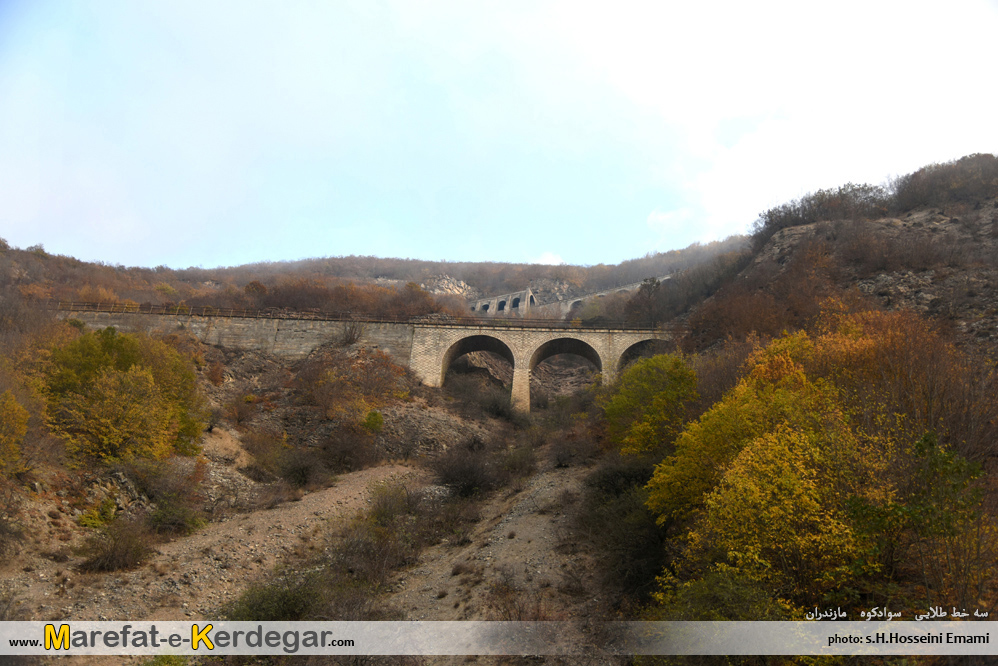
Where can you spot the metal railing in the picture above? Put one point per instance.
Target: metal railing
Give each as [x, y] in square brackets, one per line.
[317, 315]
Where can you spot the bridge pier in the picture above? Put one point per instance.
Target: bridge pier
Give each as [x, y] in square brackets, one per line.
[521, 387]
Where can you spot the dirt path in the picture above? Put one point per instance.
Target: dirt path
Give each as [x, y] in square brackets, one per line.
[520, 564]
[191, 577]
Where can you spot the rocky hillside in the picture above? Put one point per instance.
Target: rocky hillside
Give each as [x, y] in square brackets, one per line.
[941, 262]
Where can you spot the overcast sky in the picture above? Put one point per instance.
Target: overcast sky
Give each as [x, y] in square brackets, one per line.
[217, 133]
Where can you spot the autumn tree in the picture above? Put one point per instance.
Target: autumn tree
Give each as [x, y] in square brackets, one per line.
[13, 427]
[410, 301]
[255, 288]
[347, 388]
[822, 471]
[119, 415]
[775, 392]
[647, 306]
[114, 396]
[647, 408]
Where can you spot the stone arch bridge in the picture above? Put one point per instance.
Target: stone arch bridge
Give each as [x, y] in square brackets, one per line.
[436, 346]
[426, 347]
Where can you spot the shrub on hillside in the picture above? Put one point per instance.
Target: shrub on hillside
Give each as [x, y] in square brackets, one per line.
[346, 387]
[216, 373]
[369, 552]
[613, 517]
[519, 461]
[240, 408]
[266, 449]
[497, 402]
[175, 491]
[466, 472]
[573, 448]
[287, 598]
[302, 469]
[473, 467]
[374, 421]
[301, 596]
[391, 502]
[348, 449]
[122, 544]
[174, 514]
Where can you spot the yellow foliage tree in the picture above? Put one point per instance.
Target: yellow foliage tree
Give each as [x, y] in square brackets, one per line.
[121, 415]
[822, 468]
[779, 514]
[775, 392]
[114, 395]
[13, 427]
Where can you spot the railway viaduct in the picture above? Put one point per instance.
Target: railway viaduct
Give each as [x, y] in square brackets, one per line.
[427, 346]
[521, 303]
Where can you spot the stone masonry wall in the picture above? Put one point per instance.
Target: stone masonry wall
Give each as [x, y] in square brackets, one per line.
[294, 338]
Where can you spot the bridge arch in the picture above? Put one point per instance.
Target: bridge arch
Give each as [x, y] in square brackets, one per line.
[566, 346]
[643, 348]
[474, 343]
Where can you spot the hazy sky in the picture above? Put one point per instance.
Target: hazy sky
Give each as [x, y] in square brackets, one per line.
[214, 133]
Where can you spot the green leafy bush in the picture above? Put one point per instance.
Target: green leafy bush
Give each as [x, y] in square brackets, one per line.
[98, 516]
[374, 421]
[648, 406]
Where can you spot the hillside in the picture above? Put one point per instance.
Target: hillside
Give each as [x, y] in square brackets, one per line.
[826, 437]
[939, 262]
[362, 284]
